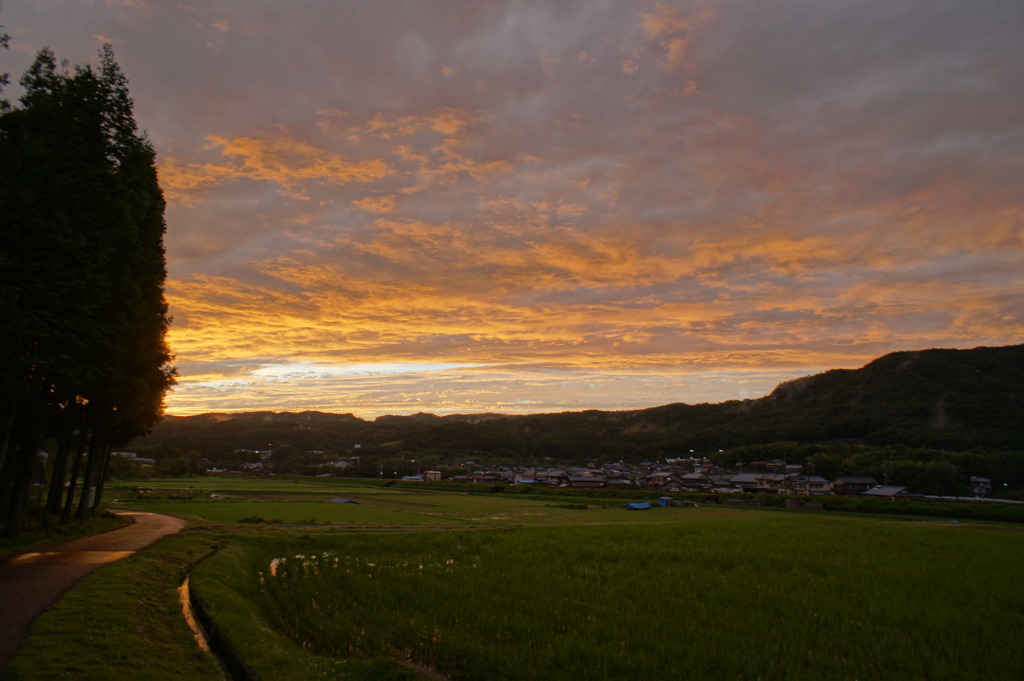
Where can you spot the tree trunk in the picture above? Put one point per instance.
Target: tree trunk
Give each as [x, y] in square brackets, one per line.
[98, 444]
[6, 443]
[21, 463]
[88, 477]
[60, 464]
[83, 438]
[101, 473]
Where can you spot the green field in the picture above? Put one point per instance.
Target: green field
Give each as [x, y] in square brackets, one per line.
[278, 502]
[421, 584]
[743, 595]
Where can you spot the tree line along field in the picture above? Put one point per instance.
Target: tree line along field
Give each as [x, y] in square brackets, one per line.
[532, 589]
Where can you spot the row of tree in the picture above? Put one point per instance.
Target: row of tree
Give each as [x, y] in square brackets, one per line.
[84, 364]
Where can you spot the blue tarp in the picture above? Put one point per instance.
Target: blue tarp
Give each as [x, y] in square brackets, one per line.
[339, 500]
[638, 506]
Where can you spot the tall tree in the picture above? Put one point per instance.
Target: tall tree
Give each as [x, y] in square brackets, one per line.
[82, 270]
[4, 76]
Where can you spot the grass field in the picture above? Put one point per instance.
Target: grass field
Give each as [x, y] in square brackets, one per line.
[415, 584]
[754, 596]
[315, 504]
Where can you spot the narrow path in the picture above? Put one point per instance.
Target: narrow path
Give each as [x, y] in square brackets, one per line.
[32, 582]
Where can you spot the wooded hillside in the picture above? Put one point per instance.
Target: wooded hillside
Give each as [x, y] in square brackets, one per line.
[955, 400]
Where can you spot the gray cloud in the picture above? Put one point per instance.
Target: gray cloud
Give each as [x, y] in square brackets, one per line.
[583, 184]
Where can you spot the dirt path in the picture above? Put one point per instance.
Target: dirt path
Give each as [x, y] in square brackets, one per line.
[32, 582]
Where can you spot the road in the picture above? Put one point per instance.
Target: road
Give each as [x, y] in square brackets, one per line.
[32, 582]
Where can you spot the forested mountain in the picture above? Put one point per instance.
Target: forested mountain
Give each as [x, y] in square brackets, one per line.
[955, 400]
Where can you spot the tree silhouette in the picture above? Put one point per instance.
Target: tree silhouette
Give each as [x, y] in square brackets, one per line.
[83, 360]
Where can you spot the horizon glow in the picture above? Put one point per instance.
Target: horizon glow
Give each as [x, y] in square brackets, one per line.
[457, 207]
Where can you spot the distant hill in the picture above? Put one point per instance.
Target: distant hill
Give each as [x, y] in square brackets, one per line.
[942, 399]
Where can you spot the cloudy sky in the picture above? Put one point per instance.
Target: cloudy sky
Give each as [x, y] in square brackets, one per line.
[531, 206]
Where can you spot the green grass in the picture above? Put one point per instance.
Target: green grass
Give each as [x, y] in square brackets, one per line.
[277, 502]
[123, 621]
[539, 589]
[32, 537]
[264, 650]
[763, 595]
[247, 483]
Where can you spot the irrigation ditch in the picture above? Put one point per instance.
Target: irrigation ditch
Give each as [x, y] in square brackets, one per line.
[209, 637]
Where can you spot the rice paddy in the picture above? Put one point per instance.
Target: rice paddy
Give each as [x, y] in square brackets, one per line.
[676, 593]
[360, 506]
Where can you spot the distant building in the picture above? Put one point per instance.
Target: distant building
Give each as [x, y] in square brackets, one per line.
[891, 492]
[747, 482]
[770, 483]
[852, 484]
[981, 487]
[587, 481]
[132, 456]
[805, 485]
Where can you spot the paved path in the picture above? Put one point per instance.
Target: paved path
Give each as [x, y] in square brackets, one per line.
[32, 582]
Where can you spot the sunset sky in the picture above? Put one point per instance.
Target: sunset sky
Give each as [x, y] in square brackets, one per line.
[387, 207]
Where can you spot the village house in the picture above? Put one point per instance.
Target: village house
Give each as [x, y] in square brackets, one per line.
[555, 478]
[617, 478]
[675, 479]
[695, 481]
[981, 487]
[805, 485]
[891, 492]
[135, 458]
[661, 480]
[746, 482]
[770, 483]
[587, 481]
[852, 484]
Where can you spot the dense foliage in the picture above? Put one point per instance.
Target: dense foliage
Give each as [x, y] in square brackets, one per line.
[83, 359]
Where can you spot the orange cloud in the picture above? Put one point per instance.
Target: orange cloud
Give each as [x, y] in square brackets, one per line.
[631, 189]
[674, 31]
[663, 21]
[447, 121]
[377, 204]
[185, 183]
[287, 161]
[278, 158]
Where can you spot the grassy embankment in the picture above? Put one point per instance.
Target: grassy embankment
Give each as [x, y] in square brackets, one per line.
[32, 537]
[123, 621]
[702, 593]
